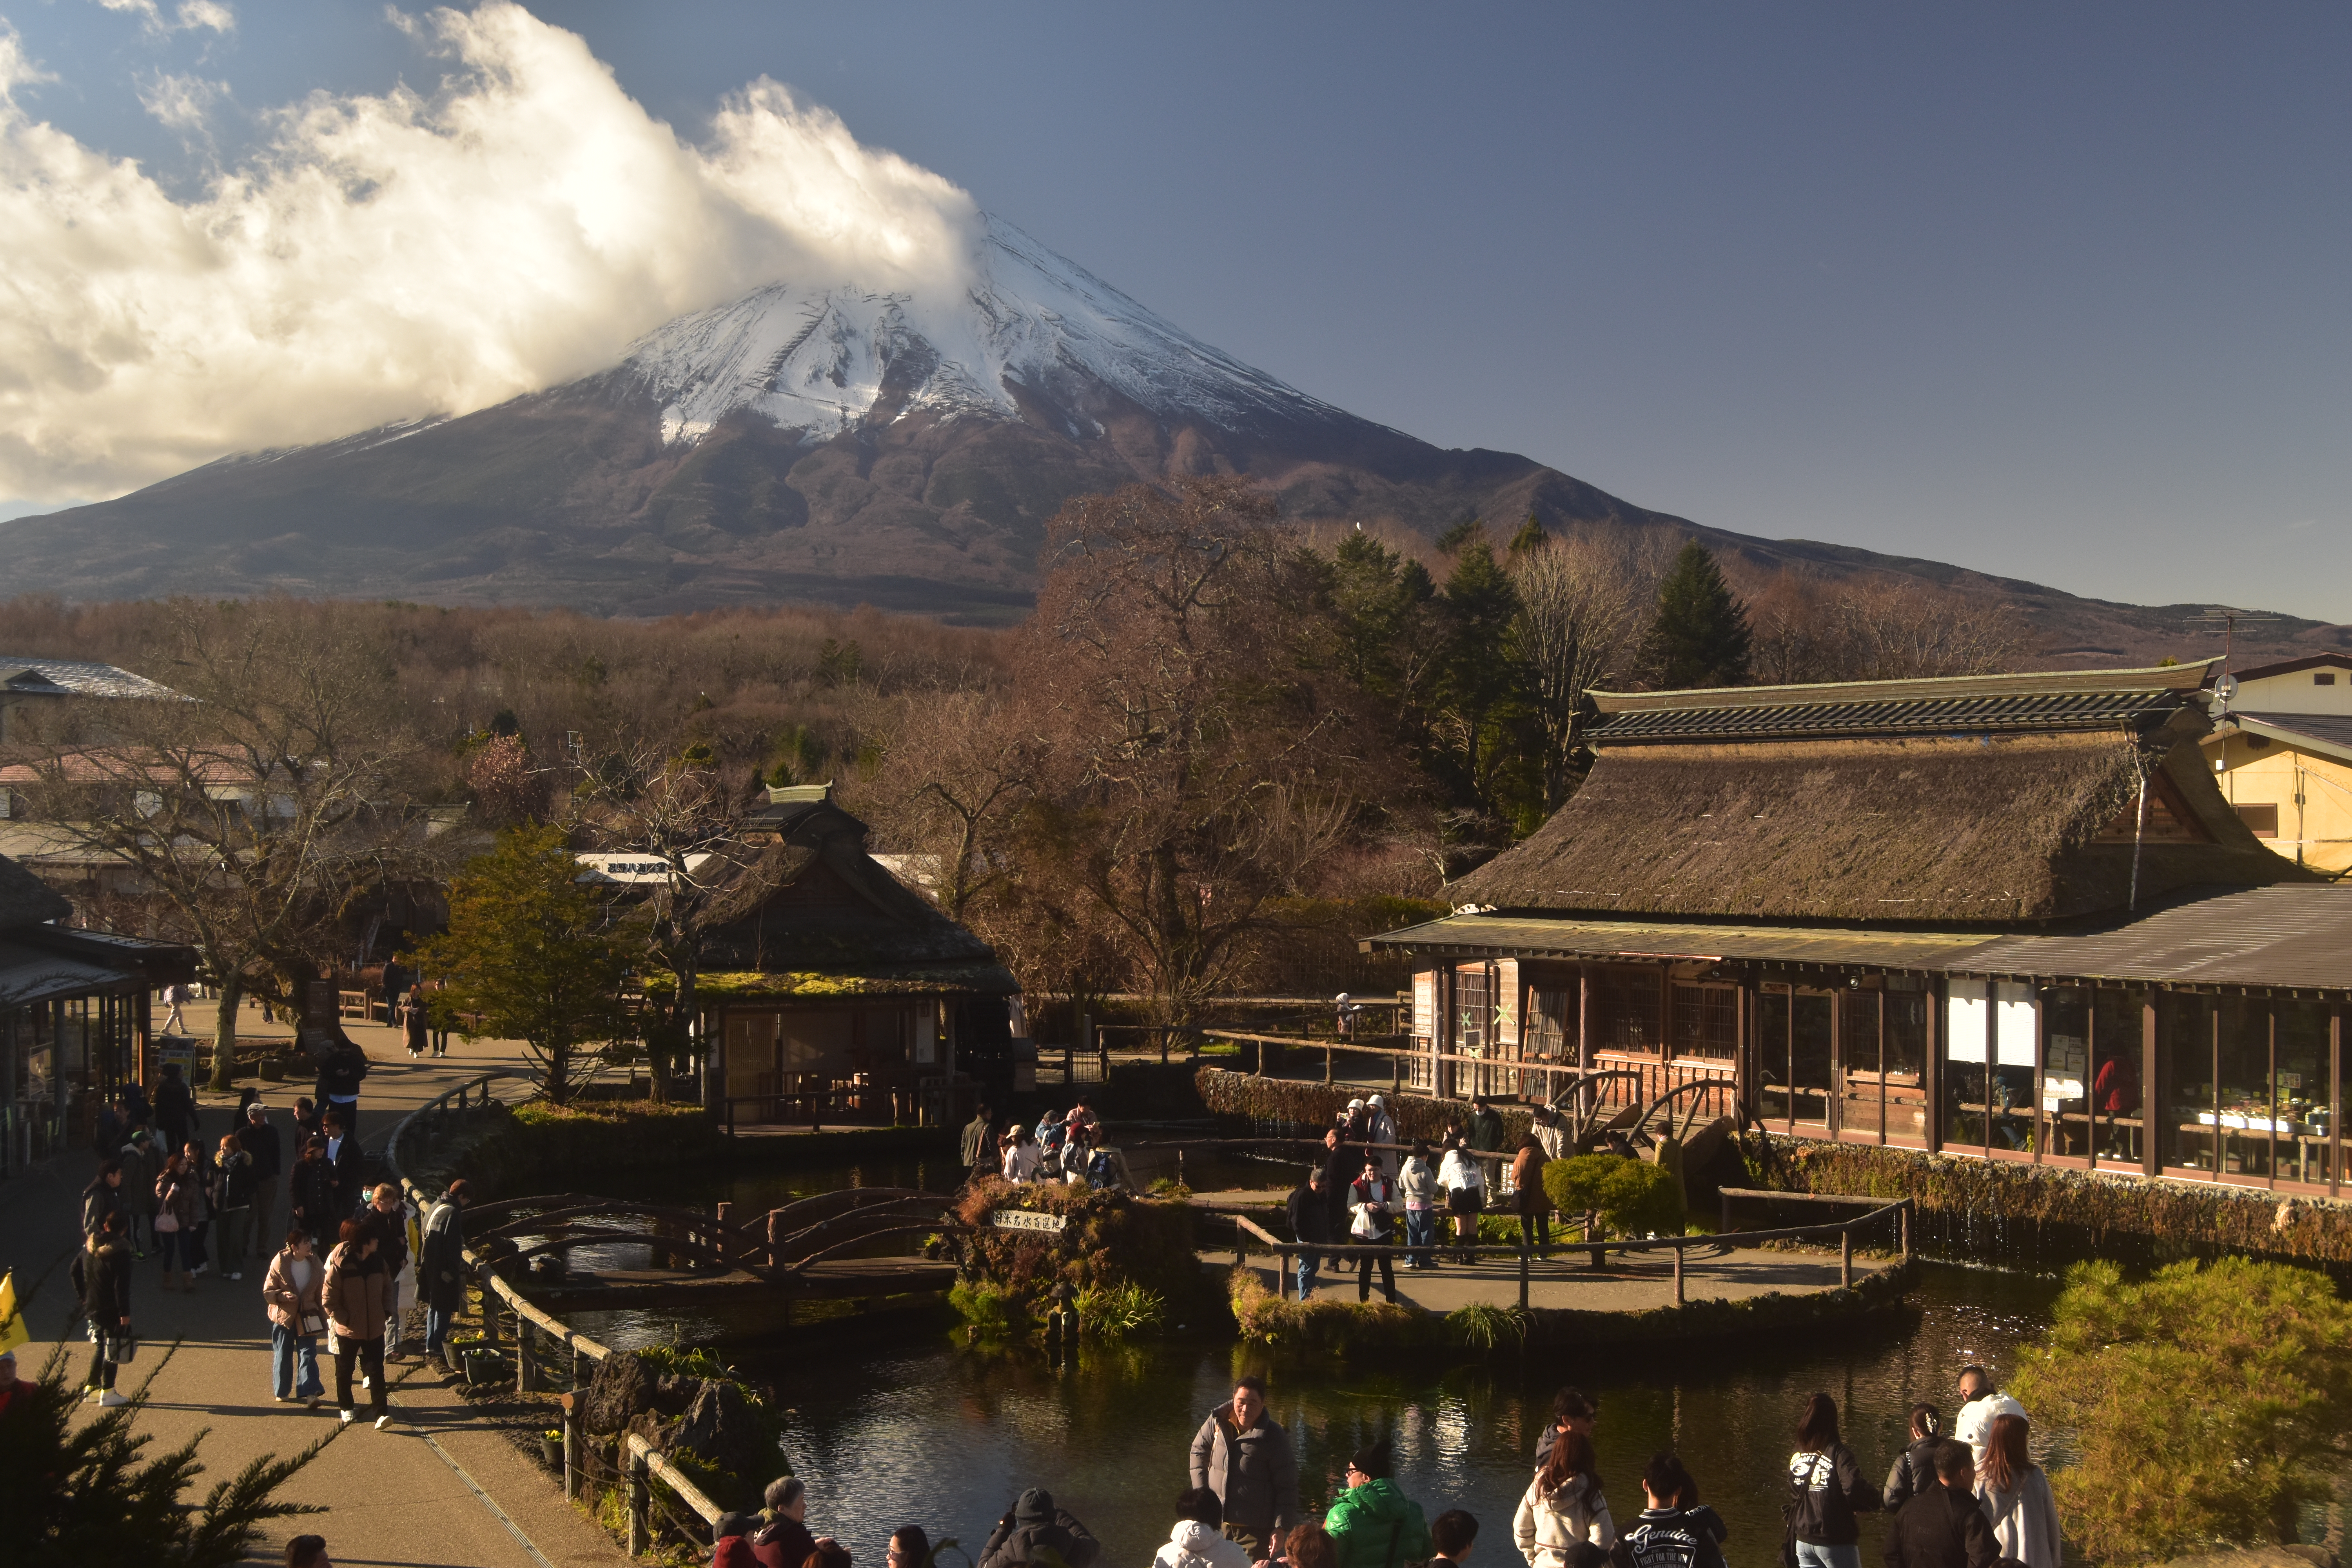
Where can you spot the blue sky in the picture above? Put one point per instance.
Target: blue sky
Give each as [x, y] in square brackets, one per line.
[2057, 292]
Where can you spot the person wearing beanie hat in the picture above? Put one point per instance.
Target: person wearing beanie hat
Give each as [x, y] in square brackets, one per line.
[1033, 1531]
[1372, 1524]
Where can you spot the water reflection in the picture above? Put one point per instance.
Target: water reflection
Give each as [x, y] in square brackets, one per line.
[945, 1437]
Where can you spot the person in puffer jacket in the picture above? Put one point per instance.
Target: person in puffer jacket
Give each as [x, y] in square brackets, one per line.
[1198, 1540]
[1913, 1470]
[1373, 1524]
[1563, 1520]
[1034, 1527]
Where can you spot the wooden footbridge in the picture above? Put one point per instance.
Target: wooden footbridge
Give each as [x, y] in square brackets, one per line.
[818, 1247]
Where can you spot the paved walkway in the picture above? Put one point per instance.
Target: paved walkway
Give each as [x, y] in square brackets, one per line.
[443, 1488]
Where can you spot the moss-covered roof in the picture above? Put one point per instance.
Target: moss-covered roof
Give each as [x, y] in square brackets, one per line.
[893, 980]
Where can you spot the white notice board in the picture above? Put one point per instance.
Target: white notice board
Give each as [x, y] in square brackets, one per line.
[2014, 1007]
[1965, 1018]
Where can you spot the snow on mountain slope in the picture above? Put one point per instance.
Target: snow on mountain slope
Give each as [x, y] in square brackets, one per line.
[819, 358]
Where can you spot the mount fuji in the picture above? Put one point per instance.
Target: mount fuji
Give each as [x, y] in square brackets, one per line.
[810, 441]
[819, 442]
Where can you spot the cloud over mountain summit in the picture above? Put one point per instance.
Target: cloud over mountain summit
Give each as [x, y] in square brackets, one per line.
[516, 226]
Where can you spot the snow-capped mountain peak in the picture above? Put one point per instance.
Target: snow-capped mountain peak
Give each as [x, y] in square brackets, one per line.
[824, 358]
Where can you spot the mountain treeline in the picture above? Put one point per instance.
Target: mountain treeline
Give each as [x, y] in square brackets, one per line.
[1220, 750]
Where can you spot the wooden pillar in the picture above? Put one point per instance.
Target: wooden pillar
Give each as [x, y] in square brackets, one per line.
[1678, 1276]
[2150, 1085]
[1881, 1060]
[1931, 1071]
[2272, 1132]
[2040, 1122]
[638, 1500]
[1845, 1257]
[1584, 1096]
[2335, 1099]
[1834, 1099]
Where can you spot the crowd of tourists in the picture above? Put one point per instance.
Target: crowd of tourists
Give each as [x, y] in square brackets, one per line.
[1969, 1499]
[350, 1261]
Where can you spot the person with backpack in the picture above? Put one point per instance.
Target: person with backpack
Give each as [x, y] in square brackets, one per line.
[1372, 1524]
[2016, 1496]
[1563, 1518]
[1372, 1202]
[1825, 1492]
[1913, 1470]
[1944, 1526]
[1666, 1536]
[1243, 1458]
[1197, 1541]
[100, 1276]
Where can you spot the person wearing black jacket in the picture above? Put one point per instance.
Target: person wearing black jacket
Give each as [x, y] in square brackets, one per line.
[1913, 1470]
[101, 1272]
[441, 1265]
[1666, 1536]
[312, 1192]
[1032, 1527]
[1944, 1526]
[259, 1139]
[343, 1157]
[339, 1071]
[175, 1108]
[1311, 1221]
[103, 1196]
[1825, 1492]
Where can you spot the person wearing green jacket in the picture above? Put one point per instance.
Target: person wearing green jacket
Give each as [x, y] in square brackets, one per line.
[1372, 1524]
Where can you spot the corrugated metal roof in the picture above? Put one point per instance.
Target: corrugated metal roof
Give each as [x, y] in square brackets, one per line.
[2037, 713]
[1478, 935]
[2288, 937]
[2329, 735]
[84, 678]
[29, 975]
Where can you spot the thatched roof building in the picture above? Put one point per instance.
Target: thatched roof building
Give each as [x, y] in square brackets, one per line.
[838, 990]
[1975, 799]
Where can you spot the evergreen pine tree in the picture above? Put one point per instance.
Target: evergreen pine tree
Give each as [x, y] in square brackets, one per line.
[1700, 635]
[1530, 536]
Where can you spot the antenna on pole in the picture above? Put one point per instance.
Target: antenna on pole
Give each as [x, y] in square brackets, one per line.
[2229, 620]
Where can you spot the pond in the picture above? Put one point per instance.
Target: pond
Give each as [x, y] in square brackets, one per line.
[900, 1422]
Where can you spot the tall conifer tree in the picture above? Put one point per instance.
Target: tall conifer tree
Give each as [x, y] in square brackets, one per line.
[1700, 635]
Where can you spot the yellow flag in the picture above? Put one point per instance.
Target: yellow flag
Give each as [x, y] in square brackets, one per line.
[13, 1331]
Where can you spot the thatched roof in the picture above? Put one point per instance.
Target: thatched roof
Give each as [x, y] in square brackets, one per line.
[26, 899]
[1985, 828]
[801, 899]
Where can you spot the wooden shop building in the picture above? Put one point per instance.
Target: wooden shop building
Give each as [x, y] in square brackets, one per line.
[2003, 916]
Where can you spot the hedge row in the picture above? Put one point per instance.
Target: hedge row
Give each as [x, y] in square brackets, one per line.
[2231, 1218]
[1316, 1106]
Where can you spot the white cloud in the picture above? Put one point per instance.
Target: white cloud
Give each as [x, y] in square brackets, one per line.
[397, 255]
[181, 103]
[192, 14]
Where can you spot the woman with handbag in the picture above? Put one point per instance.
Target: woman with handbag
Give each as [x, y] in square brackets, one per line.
[176, 1196]
[295, 1293]
[103, 1272]
[358, 1294]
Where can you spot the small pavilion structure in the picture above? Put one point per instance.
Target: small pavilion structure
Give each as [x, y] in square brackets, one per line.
[832, 990]
[2006, 916]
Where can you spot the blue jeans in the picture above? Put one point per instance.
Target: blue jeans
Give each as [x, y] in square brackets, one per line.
[436, 1329]
[289, 1352]
[1310, 1263]
[1419, 1234]
[1809, 1555]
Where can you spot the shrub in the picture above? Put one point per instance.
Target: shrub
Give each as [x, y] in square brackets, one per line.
[1632, 1198]
[1482, 1325]
[1117, 1313]
[1327, 1327]
[2207, 1404]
